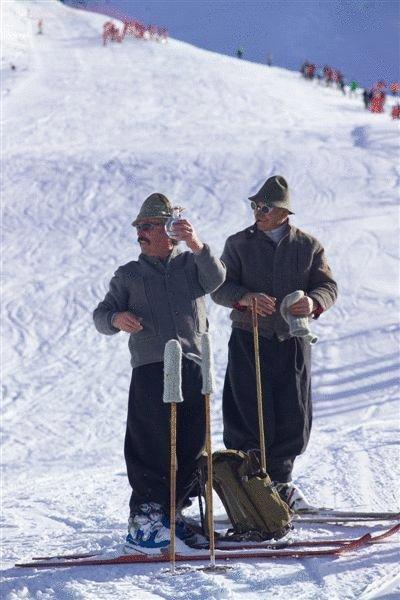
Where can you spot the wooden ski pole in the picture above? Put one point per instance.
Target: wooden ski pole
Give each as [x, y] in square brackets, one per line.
[172, 513]
[207, 372]
[207, 390]
[209, 483]
[258, 385]
[173, 395]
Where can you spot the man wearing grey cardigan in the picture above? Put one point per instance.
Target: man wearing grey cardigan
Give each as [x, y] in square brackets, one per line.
[268, 261]
[154, 299]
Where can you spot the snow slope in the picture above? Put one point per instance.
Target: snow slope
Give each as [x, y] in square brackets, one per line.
[89, 132]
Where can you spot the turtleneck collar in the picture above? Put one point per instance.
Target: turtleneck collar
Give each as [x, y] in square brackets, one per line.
[277, 234]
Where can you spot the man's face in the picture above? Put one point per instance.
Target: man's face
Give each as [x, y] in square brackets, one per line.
[152, 237]
[271, 219]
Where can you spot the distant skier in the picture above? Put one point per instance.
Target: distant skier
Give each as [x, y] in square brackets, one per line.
[267, 261]
[339, 78]
[307, 69]
[40, 27]
[111, 32]
[269, 59]
[367, 95]
[396, 111]
[240, 52]
[320, 75]
[328, 75]
[377, 101]
[160, 296]
[395, 88]
[353, 87]
[311, 71]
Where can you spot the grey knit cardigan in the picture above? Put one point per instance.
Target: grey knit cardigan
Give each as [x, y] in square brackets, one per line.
[168, 296]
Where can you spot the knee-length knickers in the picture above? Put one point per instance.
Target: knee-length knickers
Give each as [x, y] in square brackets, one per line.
[147, 440]
[286, 386]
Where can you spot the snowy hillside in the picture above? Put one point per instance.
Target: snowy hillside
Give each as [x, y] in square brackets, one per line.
[89, 132]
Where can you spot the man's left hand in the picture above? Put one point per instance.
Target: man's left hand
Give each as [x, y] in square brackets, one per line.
[183, 231]
[303, 307]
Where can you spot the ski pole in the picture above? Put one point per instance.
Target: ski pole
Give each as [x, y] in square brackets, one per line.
[173, 395]
[207, 390]
[258, 384]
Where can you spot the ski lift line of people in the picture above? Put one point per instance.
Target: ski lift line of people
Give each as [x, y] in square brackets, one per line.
[133, 29]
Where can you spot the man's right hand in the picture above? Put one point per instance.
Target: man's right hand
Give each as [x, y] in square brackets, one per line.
[265, 304]
[126, 321]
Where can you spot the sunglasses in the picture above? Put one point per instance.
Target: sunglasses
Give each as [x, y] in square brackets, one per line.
[146, 226]
[264, 208]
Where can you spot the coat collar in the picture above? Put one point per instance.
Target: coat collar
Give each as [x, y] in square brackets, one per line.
[253, 232]
[156, 262]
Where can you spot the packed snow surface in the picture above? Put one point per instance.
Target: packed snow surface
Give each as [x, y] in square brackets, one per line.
[89, 132]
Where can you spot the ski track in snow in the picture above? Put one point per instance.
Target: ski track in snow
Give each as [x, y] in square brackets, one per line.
[90, 132]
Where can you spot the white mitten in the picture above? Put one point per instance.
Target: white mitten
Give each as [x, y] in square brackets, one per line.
[172, 372]
[298, 326]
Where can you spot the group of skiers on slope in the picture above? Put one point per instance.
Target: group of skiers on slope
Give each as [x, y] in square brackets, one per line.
[161, 297]
[134, 29]
[326, 75]
[374, 99]
[130, 28]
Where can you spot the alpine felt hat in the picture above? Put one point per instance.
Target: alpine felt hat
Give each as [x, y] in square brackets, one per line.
[156, 206]
[274, 192]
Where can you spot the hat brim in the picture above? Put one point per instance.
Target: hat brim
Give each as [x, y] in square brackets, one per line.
[138, 219]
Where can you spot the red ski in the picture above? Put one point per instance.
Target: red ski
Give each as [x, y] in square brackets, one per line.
[223, 543]
[201, 555]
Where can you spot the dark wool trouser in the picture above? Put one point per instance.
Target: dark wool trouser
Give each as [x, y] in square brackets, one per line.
[147, 440]
[286, 385]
